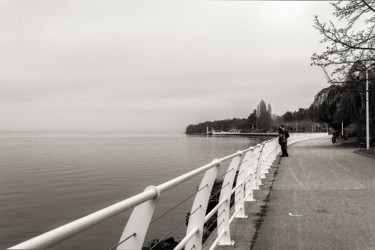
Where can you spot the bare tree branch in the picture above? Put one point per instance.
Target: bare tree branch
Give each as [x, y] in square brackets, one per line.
[368, 6]
[347, 44]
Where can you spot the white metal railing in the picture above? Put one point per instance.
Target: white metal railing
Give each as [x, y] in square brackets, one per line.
[250, 164]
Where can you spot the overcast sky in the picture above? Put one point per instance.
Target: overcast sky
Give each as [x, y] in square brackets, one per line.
[153, 66]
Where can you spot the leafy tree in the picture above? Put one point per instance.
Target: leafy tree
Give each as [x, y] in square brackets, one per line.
[269, 109]
[252, 120]
[264, 119]
[288, 116]
[345, 103]
[350, 50]
[301, 114]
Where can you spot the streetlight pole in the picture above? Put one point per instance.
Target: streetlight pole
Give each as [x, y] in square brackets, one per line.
[367, 114]
[367, 108]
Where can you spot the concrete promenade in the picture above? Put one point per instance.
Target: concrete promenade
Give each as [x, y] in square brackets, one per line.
[320, 197]
[323, 197]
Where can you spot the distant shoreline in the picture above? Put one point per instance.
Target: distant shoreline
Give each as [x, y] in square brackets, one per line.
[240, 134]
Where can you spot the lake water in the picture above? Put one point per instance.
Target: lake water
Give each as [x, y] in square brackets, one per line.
[49, 180]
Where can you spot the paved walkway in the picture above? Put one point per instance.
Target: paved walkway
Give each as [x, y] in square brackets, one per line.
[323, 197]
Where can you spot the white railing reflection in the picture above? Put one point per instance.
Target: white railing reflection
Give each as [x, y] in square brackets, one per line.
[247, 169]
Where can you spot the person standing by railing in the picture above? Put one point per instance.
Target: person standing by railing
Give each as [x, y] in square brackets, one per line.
[286, 139]
[283, 135]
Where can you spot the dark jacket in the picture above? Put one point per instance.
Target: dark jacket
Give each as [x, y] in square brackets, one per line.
[282, 136]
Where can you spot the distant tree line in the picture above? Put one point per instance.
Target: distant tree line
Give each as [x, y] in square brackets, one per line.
[225, 125]
[260, 119]
[300, 115]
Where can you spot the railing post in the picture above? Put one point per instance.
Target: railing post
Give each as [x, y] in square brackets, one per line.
[251, 173]
[135, 230]
[274, 150]
[199, 208]
[224, 210]
[270, 156]
[279, 147]
[259, 167]
[265, 161]
[240, 192]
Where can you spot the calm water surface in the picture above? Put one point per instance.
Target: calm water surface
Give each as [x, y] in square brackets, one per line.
[47, 181]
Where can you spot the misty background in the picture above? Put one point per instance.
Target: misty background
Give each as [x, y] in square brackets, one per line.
[152, 66]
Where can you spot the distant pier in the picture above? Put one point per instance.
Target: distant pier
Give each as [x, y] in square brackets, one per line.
[238, 134]
[256, 134]
[246, 134]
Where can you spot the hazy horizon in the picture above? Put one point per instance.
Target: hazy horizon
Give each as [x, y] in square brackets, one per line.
[153, 67]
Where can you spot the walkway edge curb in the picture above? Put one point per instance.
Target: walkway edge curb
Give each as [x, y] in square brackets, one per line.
[361, 153]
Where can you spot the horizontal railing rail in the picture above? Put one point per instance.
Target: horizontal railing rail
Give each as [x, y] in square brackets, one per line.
[246, 170]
